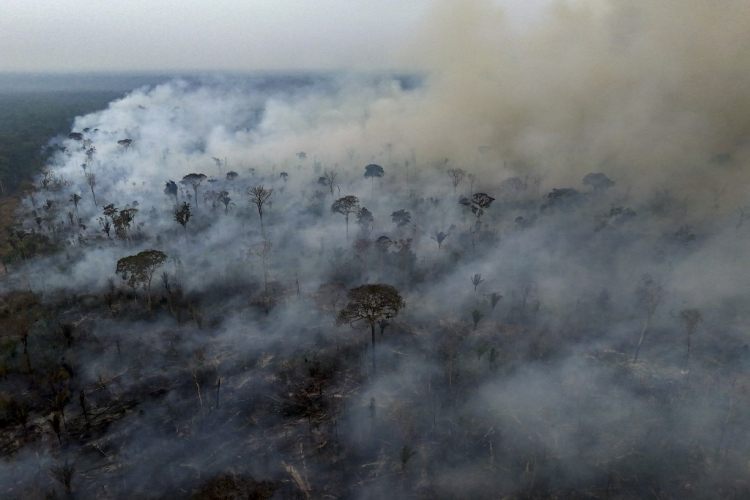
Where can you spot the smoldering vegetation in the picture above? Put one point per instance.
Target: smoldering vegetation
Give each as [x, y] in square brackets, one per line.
[575, 320]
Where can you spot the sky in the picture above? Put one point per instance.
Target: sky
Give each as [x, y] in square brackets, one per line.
[156, 35]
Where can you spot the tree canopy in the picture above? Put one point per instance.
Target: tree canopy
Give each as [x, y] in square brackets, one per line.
[372, 170]
[371, 303]
[138, 270]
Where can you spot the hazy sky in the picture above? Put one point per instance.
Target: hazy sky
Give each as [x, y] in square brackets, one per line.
[199, 34]
[74, 35]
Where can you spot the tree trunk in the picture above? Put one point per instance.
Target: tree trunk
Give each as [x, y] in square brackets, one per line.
[640, 340]
[374, 363]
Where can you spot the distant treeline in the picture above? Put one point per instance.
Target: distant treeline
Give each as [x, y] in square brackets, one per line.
[28, 120]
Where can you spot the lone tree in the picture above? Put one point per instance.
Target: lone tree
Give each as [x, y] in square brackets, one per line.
[259, 195]
[138, 270]
[125, 143]
[371, 171]
[456, 175]
[364, 218]
[478, 203]
[91, 181]
[650, 294]
[217, 162]
[328, 179]
[76, 198]
[371, 304]
[194, 181]
[232, 175]
[346, 206]
[226, 200]
[599, 181]
[182, 216]
[401, 218]
[440, 237]
[171, 190]
[689, 318]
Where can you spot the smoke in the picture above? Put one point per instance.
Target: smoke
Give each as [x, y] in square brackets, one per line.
[533, 393]
[653, 93]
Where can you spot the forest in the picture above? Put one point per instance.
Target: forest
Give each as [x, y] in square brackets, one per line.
[522, 279]
[176, 319]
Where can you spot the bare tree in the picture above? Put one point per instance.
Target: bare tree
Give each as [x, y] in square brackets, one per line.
[329, 179]
[76, 198]
[263, 250]
[259, 196]
[689, 318]
[456, 175]
[650, 294]
[91, 181]
[217, 162]
[743, 213]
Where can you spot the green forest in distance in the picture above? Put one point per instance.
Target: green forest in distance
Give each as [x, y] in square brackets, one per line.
[35, 108]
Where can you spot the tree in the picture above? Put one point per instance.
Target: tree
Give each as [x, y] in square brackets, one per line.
[371, 303]
[689, 318]
[171, 190]
[476, 280]
[182, 216]
[440, 238]
[284, 176]
[194, 181]
[125, 143]
[599, 181]
[328, 179]
[478, 203]
[122, 221]
[138, 270]
[91, 181]
[346, 206]
[364, 219]
[217, 162]
[456, 175]
[650, 294]
[76, 198]
[401, 218]
[565, 199]
[494, 298]
[232, 175]
[263, 250]
[226, 200]
[476, 317]
[513, 186]
[372, 170]
[259, 195]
